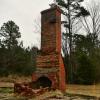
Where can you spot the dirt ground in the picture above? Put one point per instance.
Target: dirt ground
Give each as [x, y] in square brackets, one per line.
[7, 94]
[15, 78]
[89, 90]
[11, 79]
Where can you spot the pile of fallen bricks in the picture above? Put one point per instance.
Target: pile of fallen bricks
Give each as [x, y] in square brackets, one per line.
[25, 89]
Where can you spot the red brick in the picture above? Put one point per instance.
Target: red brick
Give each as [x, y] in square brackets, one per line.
[50, 56]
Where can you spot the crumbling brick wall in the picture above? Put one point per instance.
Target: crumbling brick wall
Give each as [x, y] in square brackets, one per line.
[49, 62]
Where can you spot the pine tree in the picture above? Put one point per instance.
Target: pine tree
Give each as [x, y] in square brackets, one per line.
[72, 10]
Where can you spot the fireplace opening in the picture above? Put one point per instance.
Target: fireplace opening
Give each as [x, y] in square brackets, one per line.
[43, 82]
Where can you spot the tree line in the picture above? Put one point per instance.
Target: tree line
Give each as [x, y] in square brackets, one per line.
[81, 52]
[14, 58]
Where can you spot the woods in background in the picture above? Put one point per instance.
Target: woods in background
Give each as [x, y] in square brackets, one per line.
[81, 52]
[14, 58]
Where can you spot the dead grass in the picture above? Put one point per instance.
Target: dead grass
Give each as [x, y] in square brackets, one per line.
[90, 90]
[15, 78]
[11, 79]
[76, 90]
[6, 85]
[49, 94]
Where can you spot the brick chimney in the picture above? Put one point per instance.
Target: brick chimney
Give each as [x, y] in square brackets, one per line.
[50, 68]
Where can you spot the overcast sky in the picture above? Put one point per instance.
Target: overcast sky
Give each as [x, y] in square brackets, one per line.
[23, 13]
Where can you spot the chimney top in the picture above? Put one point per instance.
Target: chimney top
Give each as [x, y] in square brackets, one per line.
[53, 5]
